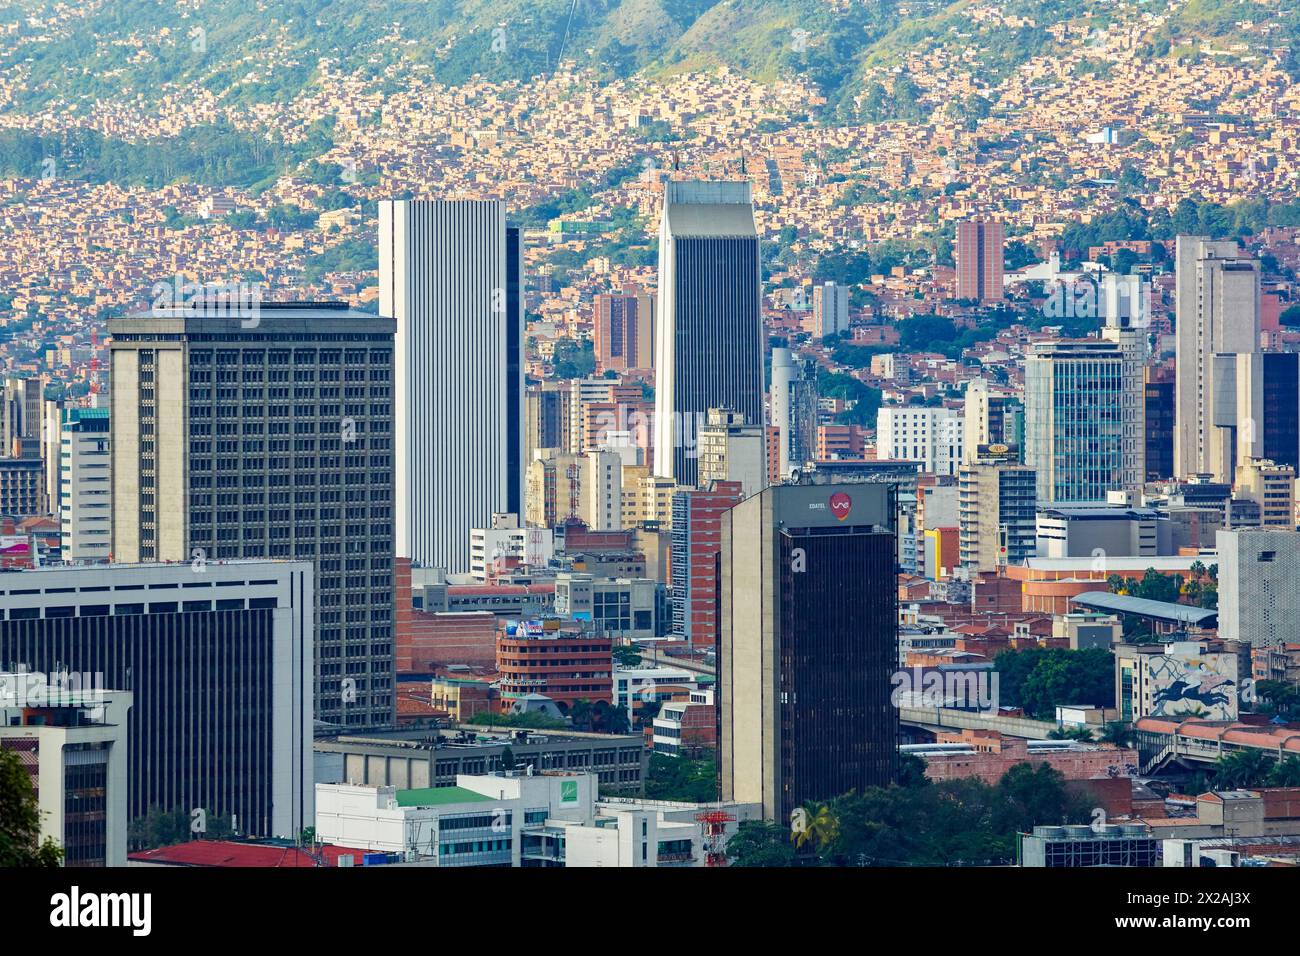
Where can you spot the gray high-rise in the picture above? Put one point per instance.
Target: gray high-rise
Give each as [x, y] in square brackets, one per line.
[268, 437]
[710, 342]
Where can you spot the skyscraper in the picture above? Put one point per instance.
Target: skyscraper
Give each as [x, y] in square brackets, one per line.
[710, 339]
[696, 517]
[979, 256]
[1217, 311]
[996, 499]
[830, 309]
[450, 273]
[808, 642]
[1074, 420]
[1159, 416]
[268, 438]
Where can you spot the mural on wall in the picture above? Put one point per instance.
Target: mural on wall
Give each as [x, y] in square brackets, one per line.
[1204, 686]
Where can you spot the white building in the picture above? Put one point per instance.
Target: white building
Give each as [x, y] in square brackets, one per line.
[644, 685]
[546, 820]
[450, 274]
[933, 436]
[505, 546]
[85, 491]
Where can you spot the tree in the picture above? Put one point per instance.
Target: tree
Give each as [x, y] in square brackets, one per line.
[1243, 768]
[20, 819]
[818, 825]
[1118, 733]
[761, 844]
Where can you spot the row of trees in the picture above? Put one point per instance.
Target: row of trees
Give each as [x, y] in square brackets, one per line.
[1038, 678]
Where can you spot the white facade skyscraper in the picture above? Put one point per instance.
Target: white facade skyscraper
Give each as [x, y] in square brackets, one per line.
[450, 274]
[1217, 312]
[710, 342]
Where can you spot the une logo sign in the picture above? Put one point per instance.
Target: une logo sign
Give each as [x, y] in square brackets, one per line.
[841, 505]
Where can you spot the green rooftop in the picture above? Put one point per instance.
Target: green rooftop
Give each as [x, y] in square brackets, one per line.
[438, 797]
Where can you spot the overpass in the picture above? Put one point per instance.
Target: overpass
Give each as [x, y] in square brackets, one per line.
[935, 719]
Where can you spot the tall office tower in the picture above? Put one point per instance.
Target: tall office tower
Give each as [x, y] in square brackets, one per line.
[1074, 421]
[1159, 412]
[731, 450]
[1126, 322]
[1259, 593]
[932, 436]
[807, 646]
[996, 510]
[710, 339]
[20, 415]
[1217, 311]
[696, 538]
[624, 330]
[830, 309]
[268, 438]
[793, 410]
[218, 660]
[86, 494]
[451, 273]
[979, 260]
[51, 452]
[1256, 411]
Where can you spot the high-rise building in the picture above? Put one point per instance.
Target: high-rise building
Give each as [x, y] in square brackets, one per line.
[1217, 311]
[1256, 411]
[218, 660]
[696, 539]
[268, 437]
[1126, 322]
[989, 419]
[933, 436]
[808, 642]
[731, 450]
[1074, 420]
[20, 414]
[830, 309]
[86, 494]
[1159, 416]
[623, 330]
[1259, 593]
[794, 411]
[996, 505]
[979, 256]
[710, 337]
[451, 274]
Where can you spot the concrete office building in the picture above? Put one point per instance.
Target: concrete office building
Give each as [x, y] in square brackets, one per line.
[710, 341]
[696, 539]
[1217, 311]
[996, 496]
[86, 494]
[1272, 487]
[218, 660]
[1259, 591]
[932, 436]
[1102, 533]
[73, 744]
[807, 644]
[1075, 421]
[505, 547]
[268, 437]
[979, 256]
[451, 274]
[1256, 410]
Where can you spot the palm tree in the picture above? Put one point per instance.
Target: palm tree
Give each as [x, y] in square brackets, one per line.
[1118, 733]
[1286, 773]
[1243, 768]
[816, 824]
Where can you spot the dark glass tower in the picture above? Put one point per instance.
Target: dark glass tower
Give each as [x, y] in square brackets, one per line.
[807, 644]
